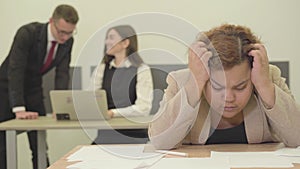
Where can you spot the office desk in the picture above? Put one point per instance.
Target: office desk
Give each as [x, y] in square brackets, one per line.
[45, 123]
[195, 151]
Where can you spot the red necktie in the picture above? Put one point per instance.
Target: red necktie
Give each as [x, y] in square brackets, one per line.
[49, 57]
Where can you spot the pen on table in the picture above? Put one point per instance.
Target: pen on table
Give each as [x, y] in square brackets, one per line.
[172, 153]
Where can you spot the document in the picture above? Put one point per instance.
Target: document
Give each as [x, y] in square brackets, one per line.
[113, 156]
[253, 159]
[291, 154]
[191, 163]
[135, 157]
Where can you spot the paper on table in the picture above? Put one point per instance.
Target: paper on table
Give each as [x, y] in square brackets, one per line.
[292, 154]
[192, 163]
[111, 151]
[253, 159]
[292, 159]
[112, 156]
[109, 164]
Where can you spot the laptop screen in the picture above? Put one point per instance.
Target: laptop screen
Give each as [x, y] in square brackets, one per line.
[79, 104]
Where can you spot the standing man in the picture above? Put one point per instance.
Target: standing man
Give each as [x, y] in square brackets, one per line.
[36, 49]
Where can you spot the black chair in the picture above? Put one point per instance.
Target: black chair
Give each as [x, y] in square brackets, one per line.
[285, 69]
[159, 75]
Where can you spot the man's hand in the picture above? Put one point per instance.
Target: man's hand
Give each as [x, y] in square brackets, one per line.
[26, 115]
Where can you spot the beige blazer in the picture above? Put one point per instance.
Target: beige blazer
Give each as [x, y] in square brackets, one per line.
[177, 122]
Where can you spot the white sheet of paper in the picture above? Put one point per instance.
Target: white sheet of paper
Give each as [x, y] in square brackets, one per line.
[292, 152]
[191, 163]
[253, 159]
[132, 156]
[108, 164]
[112, 156]
[292, 159]
[111, 151]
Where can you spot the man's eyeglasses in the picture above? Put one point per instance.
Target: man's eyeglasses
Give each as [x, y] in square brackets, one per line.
[61, 32]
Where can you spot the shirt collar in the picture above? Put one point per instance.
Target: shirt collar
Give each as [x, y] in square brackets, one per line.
[126, 63]
[50, 36]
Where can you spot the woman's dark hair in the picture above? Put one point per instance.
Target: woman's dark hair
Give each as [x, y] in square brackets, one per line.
[126, 32]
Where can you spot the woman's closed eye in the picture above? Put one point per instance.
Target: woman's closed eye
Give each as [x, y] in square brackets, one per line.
[240, 87]
[217, 87]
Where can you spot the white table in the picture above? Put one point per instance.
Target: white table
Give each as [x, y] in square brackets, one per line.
[194, 151]
[45, 123]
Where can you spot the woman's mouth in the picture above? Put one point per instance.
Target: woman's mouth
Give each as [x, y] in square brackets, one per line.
[229, 108]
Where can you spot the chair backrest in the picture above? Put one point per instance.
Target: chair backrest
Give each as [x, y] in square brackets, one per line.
[159, 74]
[285, 69]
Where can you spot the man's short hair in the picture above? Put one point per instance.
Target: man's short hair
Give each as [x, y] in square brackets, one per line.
[66, 12]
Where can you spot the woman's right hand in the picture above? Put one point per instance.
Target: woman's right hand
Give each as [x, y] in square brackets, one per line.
[198, 62]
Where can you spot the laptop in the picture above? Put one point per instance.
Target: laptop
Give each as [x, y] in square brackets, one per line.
[79, 104]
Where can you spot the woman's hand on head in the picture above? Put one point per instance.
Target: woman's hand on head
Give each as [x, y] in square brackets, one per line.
[260, 71]
[260, 75]
[198, 61]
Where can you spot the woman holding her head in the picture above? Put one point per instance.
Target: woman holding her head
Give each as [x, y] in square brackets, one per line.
[229, 94]
[127, 81]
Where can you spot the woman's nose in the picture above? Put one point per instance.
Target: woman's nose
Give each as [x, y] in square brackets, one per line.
[229, 96]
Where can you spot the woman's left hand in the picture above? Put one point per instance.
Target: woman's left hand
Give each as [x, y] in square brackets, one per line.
[260, 74]
[260, 70]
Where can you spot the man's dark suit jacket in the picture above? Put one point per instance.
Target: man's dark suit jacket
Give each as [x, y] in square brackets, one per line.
[20, 77]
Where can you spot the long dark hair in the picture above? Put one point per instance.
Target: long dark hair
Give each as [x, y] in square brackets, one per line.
[126, 32]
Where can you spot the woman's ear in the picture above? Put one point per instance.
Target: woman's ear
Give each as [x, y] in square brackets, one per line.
[125, 43]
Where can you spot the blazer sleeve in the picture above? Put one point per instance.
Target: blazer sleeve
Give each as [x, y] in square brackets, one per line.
[18, 57]
[284, 117]
[175, 116]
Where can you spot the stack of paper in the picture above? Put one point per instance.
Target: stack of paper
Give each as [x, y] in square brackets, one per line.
[111, 157]
[291, 154]
[191, 163]
[253, 159]
[134, 157]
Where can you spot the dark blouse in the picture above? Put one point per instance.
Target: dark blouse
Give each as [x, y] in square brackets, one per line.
[120, 86]
[227, 136]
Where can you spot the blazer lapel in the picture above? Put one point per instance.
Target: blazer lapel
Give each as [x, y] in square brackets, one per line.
[41, 45]
[253, 120]
[201, 128]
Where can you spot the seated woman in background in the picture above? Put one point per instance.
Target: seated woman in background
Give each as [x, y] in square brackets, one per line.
[127, 81]
[229, 94]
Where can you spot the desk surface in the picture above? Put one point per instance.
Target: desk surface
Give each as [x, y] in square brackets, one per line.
[195, 151]
[45, 123]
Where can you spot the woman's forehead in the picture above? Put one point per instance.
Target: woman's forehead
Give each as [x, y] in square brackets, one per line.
[235, 75]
